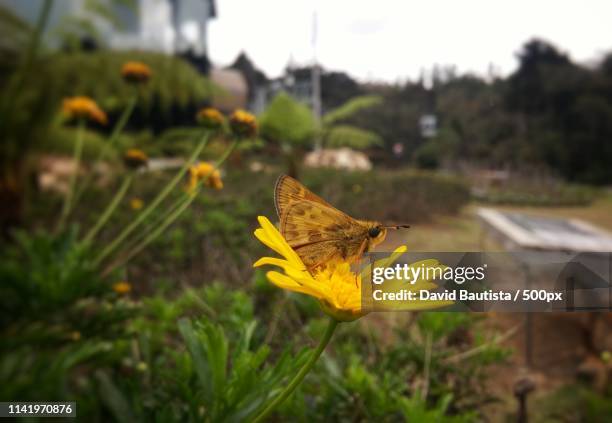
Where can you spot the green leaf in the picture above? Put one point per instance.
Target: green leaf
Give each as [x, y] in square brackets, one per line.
[198, 356]
[113, 398]
[287, 121]
[350, 136]
[216, 346]
[351, 107]
[245, 339]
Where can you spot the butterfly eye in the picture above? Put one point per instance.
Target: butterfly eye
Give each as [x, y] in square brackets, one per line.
[374, 232]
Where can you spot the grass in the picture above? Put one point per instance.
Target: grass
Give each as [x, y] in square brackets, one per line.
[446, 233]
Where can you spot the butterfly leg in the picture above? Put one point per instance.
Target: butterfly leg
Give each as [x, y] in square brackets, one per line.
[362, 249]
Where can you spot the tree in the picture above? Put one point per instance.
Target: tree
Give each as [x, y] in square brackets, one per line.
[287, 121]
[336, 134]
[290, 124]
[565, 112]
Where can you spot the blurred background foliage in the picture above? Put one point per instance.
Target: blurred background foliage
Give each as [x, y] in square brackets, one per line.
[175, 83]
[350, 136]
[336, 132]
[36, 76]
[287, 122]
[550, 113]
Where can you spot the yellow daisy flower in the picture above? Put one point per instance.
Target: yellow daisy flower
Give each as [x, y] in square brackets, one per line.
[206, 172]
[135, 158]
[136, 203]
[83, 108]
[122, 287]
[210, 118]
[335, 285]
[135, 72]
[243, 124]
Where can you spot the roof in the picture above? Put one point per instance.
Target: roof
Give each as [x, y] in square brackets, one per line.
[521, 231]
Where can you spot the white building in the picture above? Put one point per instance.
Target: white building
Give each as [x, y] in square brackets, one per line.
[168, 26]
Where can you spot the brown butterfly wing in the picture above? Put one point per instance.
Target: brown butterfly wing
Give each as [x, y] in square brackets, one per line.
[305, 222]
[315, 229]
[319, 232]
[288, 190]
[315, 254]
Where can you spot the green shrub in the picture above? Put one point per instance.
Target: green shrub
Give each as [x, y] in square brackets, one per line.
[58, 318]
[97, 74]
[427, 156]
[404, 195]
[390, 196]
[573, 403]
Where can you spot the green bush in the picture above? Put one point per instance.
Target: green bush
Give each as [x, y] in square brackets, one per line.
[59, 319]
[97, 74]
[404, 195]
[390, 196]
[574, 403]
[287, 121]
[427, 156]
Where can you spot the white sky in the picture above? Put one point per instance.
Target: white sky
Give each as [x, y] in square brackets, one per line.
[394, 39]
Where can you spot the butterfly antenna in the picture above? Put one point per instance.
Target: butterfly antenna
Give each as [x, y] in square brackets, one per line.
[397, 227]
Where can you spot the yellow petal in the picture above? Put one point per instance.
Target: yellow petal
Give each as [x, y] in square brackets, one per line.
[299, 275]
[386, 261]
[420, 305]
[270, 260]
[397, 284]
[277, 239]
[286, 282]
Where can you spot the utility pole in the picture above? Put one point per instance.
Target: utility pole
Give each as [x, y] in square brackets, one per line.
[316, 82]
[176, 26]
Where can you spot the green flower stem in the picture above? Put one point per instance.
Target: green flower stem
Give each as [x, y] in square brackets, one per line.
[149, 209]
[179, 200]
[171, 215]
[117, 130]
[224, 157]
[76, 160]
[331, 327]
[131, 244]
[154, 234]
[127, 181]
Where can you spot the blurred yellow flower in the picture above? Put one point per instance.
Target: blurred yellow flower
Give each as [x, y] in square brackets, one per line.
[243, 124]
[135, 158]
[135, 72]
[334, 284]
[75, 335]
[122, 287]
[136, 203]
[206, 172]
[210, 118]
[83, 108]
